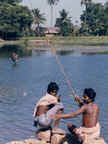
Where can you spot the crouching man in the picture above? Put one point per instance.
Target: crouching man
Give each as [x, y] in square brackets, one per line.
[46, 108]
[90, 128]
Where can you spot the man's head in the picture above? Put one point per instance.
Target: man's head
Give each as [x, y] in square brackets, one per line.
[52, 88]
[89, 95]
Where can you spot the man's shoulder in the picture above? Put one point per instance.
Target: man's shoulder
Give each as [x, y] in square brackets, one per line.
[47, 99]
[91, 105]
[95, 105]
[84, 107]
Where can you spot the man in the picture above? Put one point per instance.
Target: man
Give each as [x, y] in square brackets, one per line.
[90, 111]
[14, 57]
[48, 106]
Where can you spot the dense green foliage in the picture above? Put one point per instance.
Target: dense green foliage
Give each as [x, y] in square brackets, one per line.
[15, 20]
[39, 18]
[64, 23]
[95, 19]
[12, 2]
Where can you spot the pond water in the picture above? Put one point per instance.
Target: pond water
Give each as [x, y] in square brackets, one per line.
[23, 84]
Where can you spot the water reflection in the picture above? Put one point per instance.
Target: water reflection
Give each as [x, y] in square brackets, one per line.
[63, 53]
[6, 50]
[94, 53]
[22, 51]
[48, 52]
[38, 52]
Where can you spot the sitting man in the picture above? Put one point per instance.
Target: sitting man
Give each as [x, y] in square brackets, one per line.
[48, 106]
[90, 128]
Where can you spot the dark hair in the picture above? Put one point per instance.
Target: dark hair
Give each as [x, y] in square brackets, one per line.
[90, 93]
[52, 86]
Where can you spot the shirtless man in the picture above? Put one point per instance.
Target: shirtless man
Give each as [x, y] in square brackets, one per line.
[90, 112]
[48, 106]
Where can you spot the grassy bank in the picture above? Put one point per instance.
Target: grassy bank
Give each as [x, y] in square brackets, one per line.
[58, 40]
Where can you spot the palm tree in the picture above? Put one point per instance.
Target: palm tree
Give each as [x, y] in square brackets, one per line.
[38, 19]
[52, 3]
[64, 23]
[86, 3]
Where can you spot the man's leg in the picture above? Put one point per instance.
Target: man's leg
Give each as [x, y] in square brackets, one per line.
[44, 121]
[57, 121]
[72, 128]
[55, 109]
[58, 108]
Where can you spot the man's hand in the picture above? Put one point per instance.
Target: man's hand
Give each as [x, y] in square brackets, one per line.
[79, 101]
[77, 98]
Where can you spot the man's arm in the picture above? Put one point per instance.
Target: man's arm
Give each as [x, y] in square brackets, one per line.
[71, 115]
[79, 101]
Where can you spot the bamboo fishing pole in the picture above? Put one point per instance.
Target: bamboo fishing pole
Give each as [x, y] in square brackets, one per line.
[62, 69]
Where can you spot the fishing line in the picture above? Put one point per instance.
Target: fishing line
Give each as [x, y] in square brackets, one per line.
[57, 59]
[62, 68]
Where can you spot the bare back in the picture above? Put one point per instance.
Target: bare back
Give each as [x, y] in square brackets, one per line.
[90, 116]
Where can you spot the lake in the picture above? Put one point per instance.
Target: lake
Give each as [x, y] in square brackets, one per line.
[23, 84]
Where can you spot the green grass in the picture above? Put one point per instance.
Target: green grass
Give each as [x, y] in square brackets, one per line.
[59, 40]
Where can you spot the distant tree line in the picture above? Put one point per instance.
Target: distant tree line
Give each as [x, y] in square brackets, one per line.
[95, 19]
[17, 20]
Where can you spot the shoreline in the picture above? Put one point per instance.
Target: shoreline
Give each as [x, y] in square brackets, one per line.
[74, 49]
[81, 45]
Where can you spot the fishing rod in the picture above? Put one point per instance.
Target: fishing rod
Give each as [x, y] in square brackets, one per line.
[62, 69]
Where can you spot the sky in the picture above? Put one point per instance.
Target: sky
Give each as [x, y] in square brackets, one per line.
[73, 8]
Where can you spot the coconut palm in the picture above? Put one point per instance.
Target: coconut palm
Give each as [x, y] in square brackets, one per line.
[86, 3]
[39, 18]
[52, 3]
[64, 23]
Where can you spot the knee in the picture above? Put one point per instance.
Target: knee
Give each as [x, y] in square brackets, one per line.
[60, 105]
